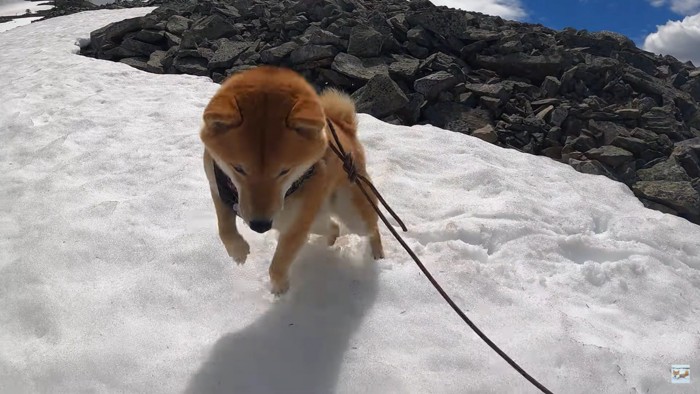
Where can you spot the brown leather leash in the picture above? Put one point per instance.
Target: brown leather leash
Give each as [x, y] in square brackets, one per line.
[359, 180]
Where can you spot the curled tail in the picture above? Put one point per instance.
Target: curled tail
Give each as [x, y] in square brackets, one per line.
[340, 108]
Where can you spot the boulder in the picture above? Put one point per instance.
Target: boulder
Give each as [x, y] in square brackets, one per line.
[380, 97]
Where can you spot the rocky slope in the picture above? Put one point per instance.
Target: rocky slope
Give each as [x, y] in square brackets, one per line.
[592, 100]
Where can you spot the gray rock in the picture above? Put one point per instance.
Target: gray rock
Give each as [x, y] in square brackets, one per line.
[420, 36]
[496, 90]
[582, 143]
[365, 42]
[150, 36]
[430, 86]
[404, 67]
[191, 65]
[227, 53]
[687, 153]
[277, 54]
[486, 133]
[177, 24]
[446, 23]
[679, 196]
[592, 167]
[324, 37]
[456, 117]
[411, 112]
[559, 115]
[139, 47]
[550, 86]
[381, 96]
[136, 62]
[610, 155]
[310, 53]
[209, 28]
[353, 67]
[668, 170]
[631, 144]
[155, 62]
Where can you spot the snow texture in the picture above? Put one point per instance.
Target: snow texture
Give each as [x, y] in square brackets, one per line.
[113, 279]
[19, 7]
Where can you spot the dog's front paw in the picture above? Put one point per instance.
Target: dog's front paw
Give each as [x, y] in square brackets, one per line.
[237, 248]
[280, 283]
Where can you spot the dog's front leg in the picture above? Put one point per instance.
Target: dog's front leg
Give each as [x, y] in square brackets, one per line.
[235, 245]
[293, 238]
[233, 241]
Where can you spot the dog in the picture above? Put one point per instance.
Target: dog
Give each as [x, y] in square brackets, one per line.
[268, 160]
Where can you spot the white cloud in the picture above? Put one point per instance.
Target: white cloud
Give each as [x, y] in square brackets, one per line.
[683, 7]
[680, 39]
[509, 9]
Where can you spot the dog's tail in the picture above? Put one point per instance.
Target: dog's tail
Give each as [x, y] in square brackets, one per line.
[340, 108]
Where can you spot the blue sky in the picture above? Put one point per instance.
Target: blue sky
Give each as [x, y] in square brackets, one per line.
[634, 18]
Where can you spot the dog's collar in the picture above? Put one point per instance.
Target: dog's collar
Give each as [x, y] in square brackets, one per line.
[229, 194]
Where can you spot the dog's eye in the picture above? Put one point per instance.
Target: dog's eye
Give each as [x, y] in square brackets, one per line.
[240, 170]
[284, 172]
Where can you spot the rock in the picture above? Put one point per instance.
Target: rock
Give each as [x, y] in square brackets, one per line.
[209, 28]
[419, 36]
[139, 47]
[411, 112]
[558, 117]
[227, 53]
[365, 42]
[380, 97]
[430, 86]
[629, 113]
[404, 67]
[353, 67]
[550, 86]
[309, 53]
[582, 143]
[150, 36]
[607, 130]
[610, 155]
[592, 167]
[668, 170]
[631, 144]
[177, 24]
[535, 68]
[136, 62]
[486, 133]
[456, 117]
[443, 22]
[276, 54]
[496, 90]
[687, 154]
[113, 33]
[155, 62]
[191, 65]
[679, 196]
[324, 37]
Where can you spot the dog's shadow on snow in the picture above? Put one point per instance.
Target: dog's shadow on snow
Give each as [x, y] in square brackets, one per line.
[298, 345]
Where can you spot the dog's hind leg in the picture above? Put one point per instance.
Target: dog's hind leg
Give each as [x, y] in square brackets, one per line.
[359, 217]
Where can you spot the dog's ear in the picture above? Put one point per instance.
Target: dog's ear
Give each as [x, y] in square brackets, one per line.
[307, 118]
[222, 114]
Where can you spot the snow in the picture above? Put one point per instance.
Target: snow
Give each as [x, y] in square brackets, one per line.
[19, 7]
[5, 26]
[113, 279]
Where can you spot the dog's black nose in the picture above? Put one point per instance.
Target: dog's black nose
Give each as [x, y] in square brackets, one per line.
[260, 226]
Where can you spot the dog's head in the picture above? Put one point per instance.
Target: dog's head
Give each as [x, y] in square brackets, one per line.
[265, 128]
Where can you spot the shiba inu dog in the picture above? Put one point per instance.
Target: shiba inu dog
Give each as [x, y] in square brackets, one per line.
[268, 161]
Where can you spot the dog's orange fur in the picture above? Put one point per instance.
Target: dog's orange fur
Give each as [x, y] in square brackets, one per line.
[268, 120]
